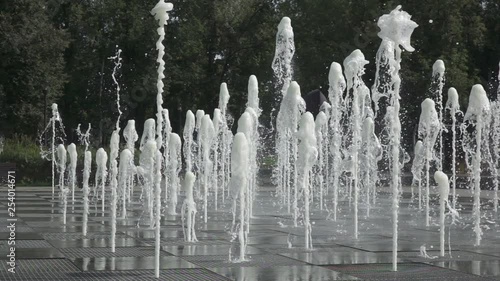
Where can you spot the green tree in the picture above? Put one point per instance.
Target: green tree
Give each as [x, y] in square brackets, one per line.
[31, 65]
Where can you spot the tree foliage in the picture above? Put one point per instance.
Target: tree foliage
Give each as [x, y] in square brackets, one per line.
[58, 50]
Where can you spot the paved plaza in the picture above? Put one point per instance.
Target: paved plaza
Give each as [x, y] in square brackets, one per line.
[48, 250]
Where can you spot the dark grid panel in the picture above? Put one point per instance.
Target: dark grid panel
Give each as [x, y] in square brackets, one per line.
[106, 252]
[406, 271]
[27, 244]
[21, 228]
[38, 269]
[208, 261]
[181, 242]
[455, 256]
[197, 274]
[79, 235]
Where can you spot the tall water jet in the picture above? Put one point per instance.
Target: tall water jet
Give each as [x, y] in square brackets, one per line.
[428, 131]
[282, 61]
[453, 106]
[113, 163]
[174, 168]
[371, 152]
[199, 159]
[253, 143]
[166, 131]
[308, 154]
[146, 171]
[124, 171]
[206, 138]
[475, 144]
[285, 173]
[114, 194]
[246, 126]
[187, 134]
[321, 131]
[253, 108]
[61, 156]
[57, 135]
[416, 169]
[227, 136]
[395, 30]
[84, 138]
[217, 154]
[354, 68]
[148, 133]
[253, 95]
[87, 163]
[157, 212]
[335, 95]
[438, 70]
[188, 210]
[130, 135]
[239, 188]
[101, 158]
[72, 169]
[444, 190]
[495, 138]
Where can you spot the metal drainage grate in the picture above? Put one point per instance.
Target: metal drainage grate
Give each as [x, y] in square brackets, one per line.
[253, 261]
[148, 275]
[78, 235]
[27, 244]
[406, 271]
[106, 252]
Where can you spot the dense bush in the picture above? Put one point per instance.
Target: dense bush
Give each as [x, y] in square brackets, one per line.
[25, 154]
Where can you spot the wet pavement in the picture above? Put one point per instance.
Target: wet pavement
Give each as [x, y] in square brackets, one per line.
[48, 250]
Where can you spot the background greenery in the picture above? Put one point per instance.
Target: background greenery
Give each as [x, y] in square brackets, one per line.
[58, 50]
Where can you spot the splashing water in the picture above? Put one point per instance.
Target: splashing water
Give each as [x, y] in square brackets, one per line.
[61, 168]
[371, 153]
[84, 138]
[87, 163]
[417, 168]
[227, 136]
[285, 173]
[321, 131]
[238, 190]
[188, 210]
[395, 30]
[428, 131]
[206, 138]
[453, 107]
[101, 174]
[187, 134]
[72, 169]
[476, 130]
[307, 156]
[438, 71]
[130, 135]
[282, 61]
[56, 135]
[174, 168]
[354, 68]
[335, 95]
[125, 170]
[246, 126]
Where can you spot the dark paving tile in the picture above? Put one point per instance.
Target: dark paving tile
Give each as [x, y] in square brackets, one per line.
[406, 271]
[340, 256]
[198, 250]
[32, 253]
[129, 263]
[476, 267]
[99, 242]
[281, 273]
[21, 236]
